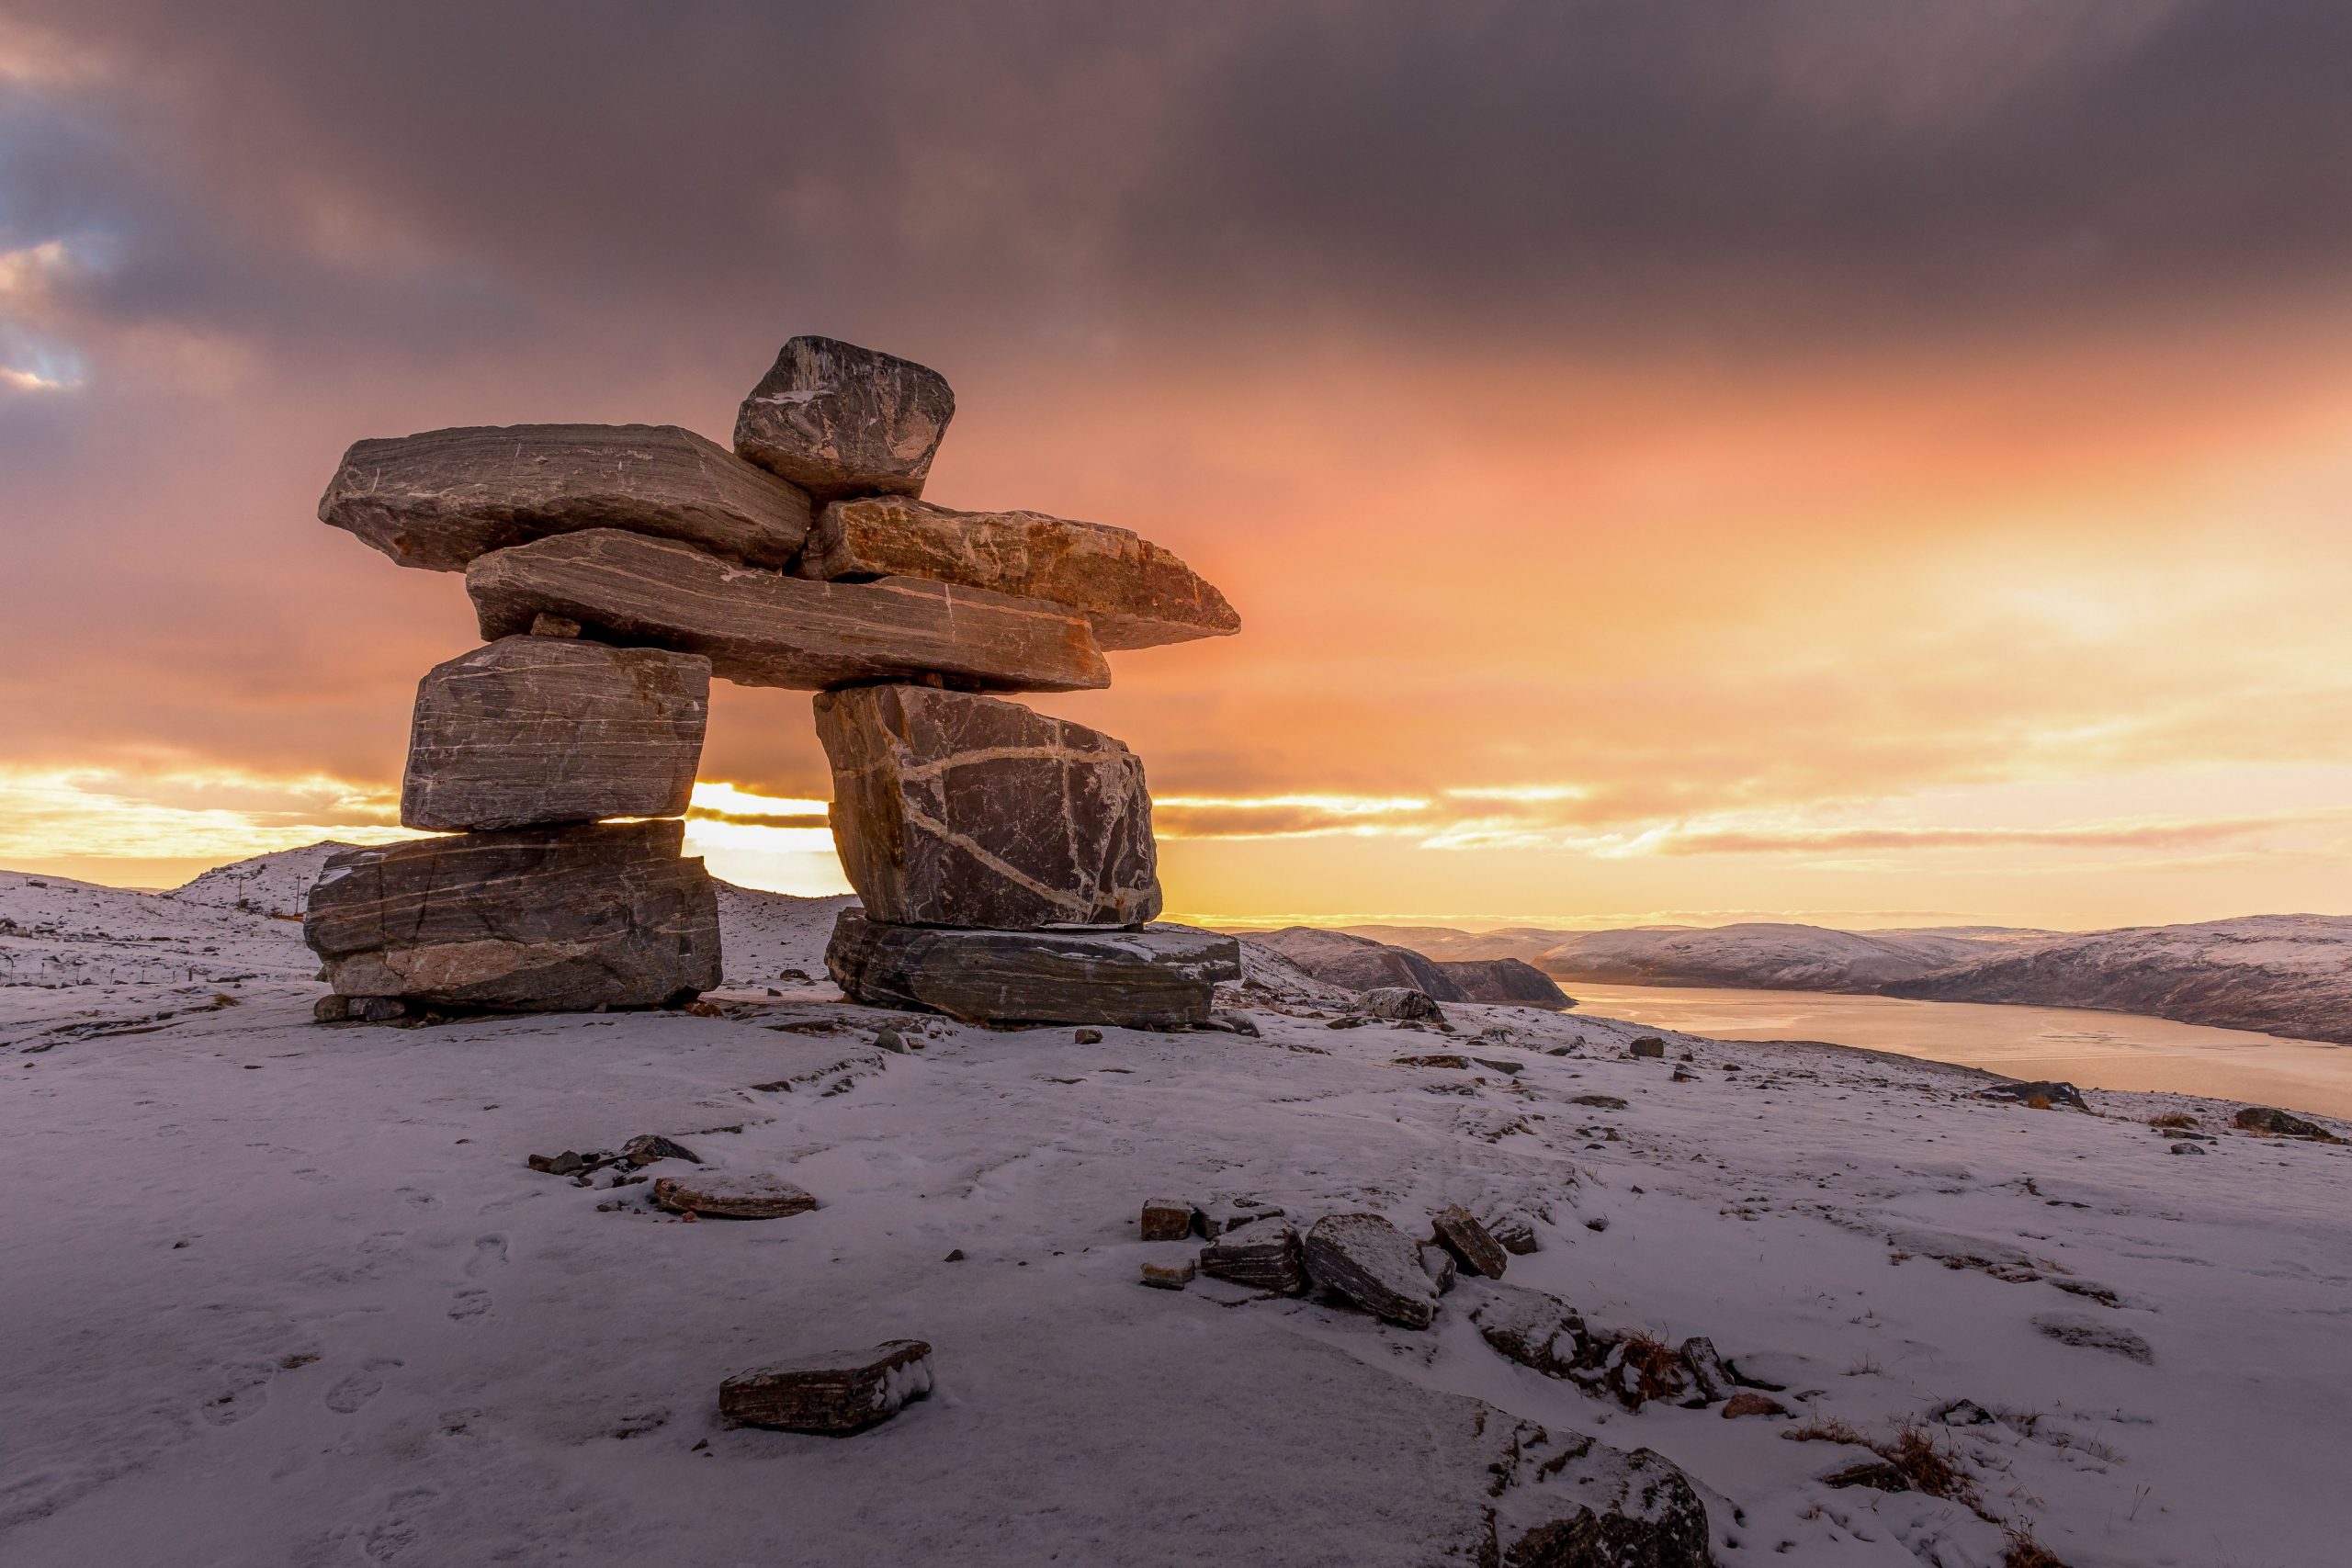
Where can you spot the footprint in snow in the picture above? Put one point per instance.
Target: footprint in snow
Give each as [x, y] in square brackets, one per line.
[246, 1391]
[361, 1386]
[389, 1541]
[418, 1198]
[490, 1251]
[471, 1302]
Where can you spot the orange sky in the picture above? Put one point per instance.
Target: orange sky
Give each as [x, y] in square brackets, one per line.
[1904, 603]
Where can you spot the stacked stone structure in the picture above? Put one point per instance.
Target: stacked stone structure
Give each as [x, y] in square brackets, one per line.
[1004, 859]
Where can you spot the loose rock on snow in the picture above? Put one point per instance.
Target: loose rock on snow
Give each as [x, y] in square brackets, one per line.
[836, 1393]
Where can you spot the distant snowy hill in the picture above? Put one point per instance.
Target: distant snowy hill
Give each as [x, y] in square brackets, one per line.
[2277, 973]
[1360, 963]
[1766, 955]
[276, 883]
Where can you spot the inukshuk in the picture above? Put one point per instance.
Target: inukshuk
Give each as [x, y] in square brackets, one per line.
[1004, 859]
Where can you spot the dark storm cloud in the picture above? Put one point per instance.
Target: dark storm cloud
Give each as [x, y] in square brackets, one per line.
[1035, 173]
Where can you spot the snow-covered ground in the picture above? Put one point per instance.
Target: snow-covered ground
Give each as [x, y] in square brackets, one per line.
[286, 1294]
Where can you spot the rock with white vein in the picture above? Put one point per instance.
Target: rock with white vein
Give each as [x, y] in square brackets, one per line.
[951, 809]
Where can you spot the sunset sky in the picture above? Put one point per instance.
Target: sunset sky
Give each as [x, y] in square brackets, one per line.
[1864, 463]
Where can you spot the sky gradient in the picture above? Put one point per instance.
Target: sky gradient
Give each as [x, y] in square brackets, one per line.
[1868, 464]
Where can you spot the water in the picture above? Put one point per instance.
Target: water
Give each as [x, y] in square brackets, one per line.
[2096, 1050]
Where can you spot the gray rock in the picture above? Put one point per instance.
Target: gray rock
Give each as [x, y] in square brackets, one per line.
[733, 1195]
[648, 1147]
[1878, 1474]
[2064, 1094]
[1373, 1264]
[1133, 593]
[1215, 1218]
[1438, 1264]
[1159, 978]
[838, 1394]
[951, 809]
[839, 419]
[1540, 1331]
[533, 730]
[761, 628]
[2092, 1334]
[2282, 1124]
[1647, 1045]
[1167, 1219]
[1400, 1003]
[442, 498]
[534, 919]
[1516, 1235]
[1570, 1502]
[1264, 1257]
[1472, 1244]
[1708, 1373]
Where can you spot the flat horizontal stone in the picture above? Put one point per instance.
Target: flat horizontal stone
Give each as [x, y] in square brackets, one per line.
[537, 731]
[953, 809]
[1373, 1264]
[732, 1195]
[836, 419]
[842, 1391]
[536, 919]
[1134, 594]
[439, 499]
[1265, 1257]
[762, 629]
[1159, 978]
[1168, 1276]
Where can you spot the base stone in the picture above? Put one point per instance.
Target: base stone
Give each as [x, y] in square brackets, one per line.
[1160, 977]
[538, 920]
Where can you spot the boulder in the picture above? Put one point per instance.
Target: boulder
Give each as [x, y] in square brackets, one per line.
[1540, 1331]
[837, 1394]
[1470, 1243]
[532, 730]
[1161, 977]
[439, 499]
[1371, 1263]
[1265, 1257]
[951, 809]
[2282, 1124]
[1570, 1502]
[1133, 593]
[839, 419]
[1648, 1045]
[732, 1195]
[762, 629]
[1400, 1003]
[534, 919]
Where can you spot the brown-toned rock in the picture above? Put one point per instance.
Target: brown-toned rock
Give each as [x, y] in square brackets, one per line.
[1167, 1219]
[762, 629]
[1515, 1232]
[836, 419]
[1168, 1276]
[442, 498]
[844, 1392]
[534, 919]
[1134, 594]
[1752, 1404]
[732, 1195]
[1373, 1264]
[951, 809]
[1159, 978]
[535, 730]
[1472, 1244]
[1264, 1257]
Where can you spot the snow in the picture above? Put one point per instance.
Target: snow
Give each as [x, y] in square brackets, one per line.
[289, 1294]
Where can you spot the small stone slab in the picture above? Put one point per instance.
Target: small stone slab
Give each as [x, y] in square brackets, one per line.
[1472, 1245]
[1708, 1373]
[1536, 1330]
[1159, 978]
[1438, 1265]
[733, 1195]
[951, 809]
[1167, 1219]
[535, 730]
[1168, 1276]
[762, 629]
[1516, 1235]
[536, 919]
[1264, 1257]
[1747, 1404]
[844, 1392]
[1231, 1214]
[1132, 592]
[1373, 1264]
[837, 420]
[439, 499]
